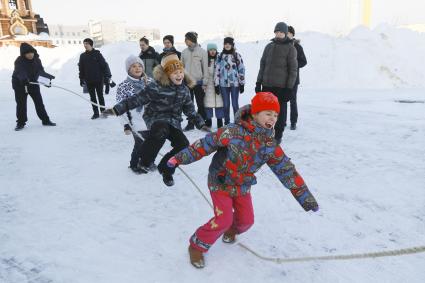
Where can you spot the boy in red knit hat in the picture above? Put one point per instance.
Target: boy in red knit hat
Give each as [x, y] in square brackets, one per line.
[241, 149]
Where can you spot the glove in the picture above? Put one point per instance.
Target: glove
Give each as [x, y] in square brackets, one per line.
[112, 84]
[127, 129]
[217, 90]
[108, 112]
[200, 82]
[106, 80]
[307, 201]
[172, 162]
[82, 82]
[287, 94]
[205, 128]
[241, 88]
[52, 77]
[258, 87]
[106, 88]
[199, 122]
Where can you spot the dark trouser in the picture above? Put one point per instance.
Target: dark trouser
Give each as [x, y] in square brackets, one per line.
[227, 93]
[293, 106]
[198, 93]
[282, 96]
[94, 88]
[137, 151]
[21, 103]
[159, 132]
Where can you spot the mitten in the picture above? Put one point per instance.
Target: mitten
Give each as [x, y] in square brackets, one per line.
[258, 87]
[108, 112]
[172, 162]
[112, 84]
[307, 200]
[241, 88]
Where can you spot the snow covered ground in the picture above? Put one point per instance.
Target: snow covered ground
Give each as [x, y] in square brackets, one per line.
[71, 211]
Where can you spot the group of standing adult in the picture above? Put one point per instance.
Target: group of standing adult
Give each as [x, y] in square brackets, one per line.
[219, 76]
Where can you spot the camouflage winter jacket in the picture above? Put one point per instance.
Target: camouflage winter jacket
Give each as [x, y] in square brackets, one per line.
[241, 149]
[163, 101]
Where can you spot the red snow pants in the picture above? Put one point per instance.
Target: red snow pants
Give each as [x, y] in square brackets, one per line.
[229, 212]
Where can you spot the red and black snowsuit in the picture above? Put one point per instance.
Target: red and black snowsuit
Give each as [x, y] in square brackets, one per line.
[241, 149]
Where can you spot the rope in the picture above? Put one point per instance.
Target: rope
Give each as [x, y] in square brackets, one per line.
[406, 251]
[70, 91]
[398, 252]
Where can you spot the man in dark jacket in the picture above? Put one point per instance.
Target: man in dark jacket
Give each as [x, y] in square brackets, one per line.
[94, 72]
[168, 42]
[302, 61]
[149, 56]
[28, 68]
[278, 72]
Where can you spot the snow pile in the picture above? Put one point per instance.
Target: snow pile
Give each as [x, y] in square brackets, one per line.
[385, 57]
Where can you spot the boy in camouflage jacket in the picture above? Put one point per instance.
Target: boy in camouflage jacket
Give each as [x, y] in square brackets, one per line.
[241, 149]
[164, 100]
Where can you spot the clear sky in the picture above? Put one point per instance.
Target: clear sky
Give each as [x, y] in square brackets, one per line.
[248, 16]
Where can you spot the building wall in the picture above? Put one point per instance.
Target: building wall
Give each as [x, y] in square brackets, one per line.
[68, 35]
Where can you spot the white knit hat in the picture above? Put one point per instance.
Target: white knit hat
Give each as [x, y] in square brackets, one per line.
[132, 59]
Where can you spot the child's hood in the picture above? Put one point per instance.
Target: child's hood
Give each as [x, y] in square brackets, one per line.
[162, 78]
[244, 118]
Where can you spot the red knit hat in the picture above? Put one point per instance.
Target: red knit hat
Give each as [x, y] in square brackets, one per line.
[264, 101]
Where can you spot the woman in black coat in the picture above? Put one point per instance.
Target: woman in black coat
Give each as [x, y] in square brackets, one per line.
[28, 68]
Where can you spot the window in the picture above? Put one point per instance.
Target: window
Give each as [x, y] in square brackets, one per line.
[79, 41]
[75, 42]
[13, 5]
[69, 41]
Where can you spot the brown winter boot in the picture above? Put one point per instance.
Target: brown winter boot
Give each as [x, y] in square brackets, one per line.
[196, 257]
[229, 236]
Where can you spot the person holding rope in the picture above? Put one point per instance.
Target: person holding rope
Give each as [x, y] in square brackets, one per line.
[241, 149]
[28, 69]
[165, 99]
[131, 86]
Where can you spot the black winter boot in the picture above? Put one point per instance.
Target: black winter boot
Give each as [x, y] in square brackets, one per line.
[19, 127]
[168, 179]
[48, 123]
[219, 123]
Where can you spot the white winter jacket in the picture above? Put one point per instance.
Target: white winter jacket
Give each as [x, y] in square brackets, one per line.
[211, 99]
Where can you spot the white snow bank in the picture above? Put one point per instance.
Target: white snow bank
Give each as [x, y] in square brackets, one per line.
[383, 58]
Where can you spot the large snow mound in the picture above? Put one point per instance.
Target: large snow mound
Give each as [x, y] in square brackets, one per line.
[382, 58]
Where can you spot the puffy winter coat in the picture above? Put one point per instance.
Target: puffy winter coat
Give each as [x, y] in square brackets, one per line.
[129, 88]
[150, 59]
[301, 59]
[241, 149]
[93, 67]
[230, 70]
[211, 99]
[28, 70]
[278, 65]
[163, 101]
[196, 63]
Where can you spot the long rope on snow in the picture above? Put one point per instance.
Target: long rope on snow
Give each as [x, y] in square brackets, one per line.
[70, 91]
[397, 252]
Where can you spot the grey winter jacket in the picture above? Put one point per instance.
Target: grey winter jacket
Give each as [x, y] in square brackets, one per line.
[278, 65]
[196, 63]
[163, 101]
